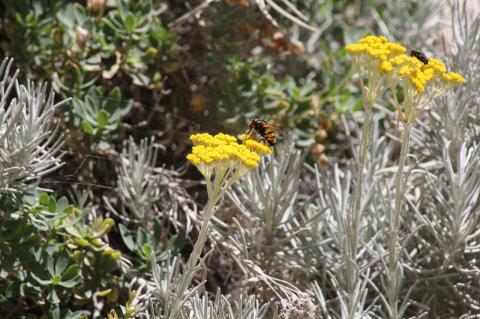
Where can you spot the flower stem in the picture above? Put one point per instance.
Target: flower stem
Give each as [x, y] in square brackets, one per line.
[352, 268]
[364, 145]
[190, 267]
[394, 273]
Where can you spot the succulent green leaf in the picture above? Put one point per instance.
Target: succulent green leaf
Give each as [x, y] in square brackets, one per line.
[102, 119]
[87, 128]
[127, 237]
[43, 199]
[129, 23]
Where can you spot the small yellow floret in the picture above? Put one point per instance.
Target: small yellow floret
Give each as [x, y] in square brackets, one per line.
[251, 164]
[194, 159]
[257, 147]
[400, 59]
[428, 74]
[225, 137]
[203, 139]
[385, 67]
[404, 71]
[396, 48]
[437, 65]
[453, 78]
[355, 48]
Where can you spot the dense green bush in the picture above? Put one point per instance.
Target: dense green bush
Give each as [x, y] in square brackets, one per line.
[52, 257]
[88, 51]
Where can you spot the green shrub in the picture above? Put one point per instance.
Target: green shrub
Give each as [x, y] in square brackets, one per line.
[51, 260]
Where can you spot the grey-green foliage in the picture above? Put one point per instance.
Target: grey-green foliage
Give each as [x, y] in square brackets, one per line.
[138, 185]
[403, 20]
[438, 240]
[329, 240]
[146, 191]
[448, 199]
[270, 205]
[163, 293]
[29, 145]
[241, 307]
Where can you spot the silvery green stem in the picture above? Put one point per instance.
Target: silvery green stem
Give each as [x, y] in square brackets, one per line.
[190, 267]
[357, 206]
[394, 275]
[364, 145]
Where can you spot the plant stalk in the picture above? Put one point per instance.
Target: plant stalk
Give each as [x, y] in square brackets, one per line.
[393, 255]
[352, 270]
[190, 267]
[357, 206]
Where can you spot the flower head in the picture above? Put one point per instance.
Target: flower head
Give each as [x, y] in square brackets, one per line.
[421, 76]
[223, 157]
[223, 150]
[388, 66]
[374, 53]
[379, 56]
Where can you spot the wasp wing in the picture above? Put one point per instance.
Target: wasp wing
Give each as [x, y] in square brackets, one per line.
[276, 128]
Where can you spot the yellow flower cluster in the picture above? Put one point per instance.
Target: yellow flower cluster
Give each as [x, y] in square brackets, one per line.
[375, 52]
[251, 141]
[379, 55]
[421, 75]
[223, 150]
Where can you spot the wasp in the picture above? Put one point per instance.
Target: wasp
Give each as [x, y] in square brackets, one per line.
[420, 56]
[266, 131]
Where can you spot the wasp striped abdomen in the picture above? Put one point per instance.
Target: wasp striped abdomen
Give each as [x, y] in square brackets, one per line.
[265, 130]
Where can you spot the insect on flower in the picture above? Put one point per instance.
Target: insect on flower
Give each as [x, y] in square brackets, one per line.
[420, 56]
[266, 131]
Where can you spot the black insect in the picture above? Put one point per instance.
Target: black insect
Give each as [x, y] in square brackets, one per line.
[420, 56]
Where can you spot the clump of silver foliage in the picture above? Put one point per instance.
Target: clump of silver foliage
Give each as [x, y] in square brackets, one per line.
[145, 191]
[29, 143]
[291, 236]
[283, 227]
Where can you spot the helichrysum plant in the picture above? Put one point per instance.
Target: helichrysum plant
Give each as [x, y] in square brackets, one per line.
[243, 307]
[138, 185]
[388, 67]
[146, 191]
[222, 161]
[448, 195]
[263, 233]
[29, 145]
[368, 58]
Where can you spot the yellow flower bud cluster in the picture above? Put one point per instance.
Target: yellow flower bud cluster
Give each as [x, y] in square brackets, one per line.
[222, 149]
[380, 56]
[115, 254]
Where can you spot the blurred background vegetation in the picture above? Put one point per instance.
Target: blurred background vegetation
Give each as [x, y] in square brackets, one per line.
[163, 70]
[159, 68]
